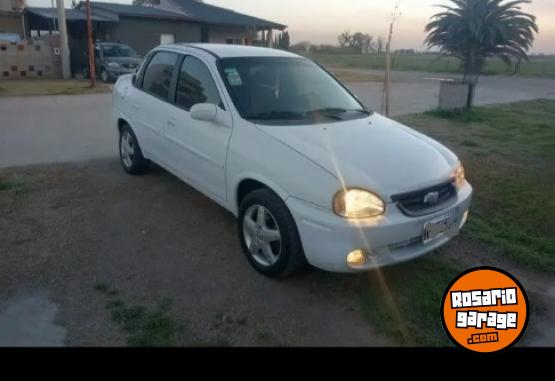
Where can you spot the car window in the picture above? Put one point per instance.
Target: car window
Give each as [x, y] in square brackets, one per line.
[118, 51]
[195, 85]
[158, 74]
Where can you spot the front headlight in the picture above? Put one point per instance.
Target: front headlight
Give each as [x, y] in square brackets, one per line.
[357, 203]
[459, 176]
[113, 64]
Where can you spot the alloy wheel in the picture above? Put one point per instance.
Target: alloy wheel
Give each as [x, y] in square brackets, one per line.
[262, 235]
[127, 149]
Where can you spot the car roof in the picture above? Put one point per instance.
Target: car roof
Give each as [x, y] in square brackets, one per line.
[226, 51]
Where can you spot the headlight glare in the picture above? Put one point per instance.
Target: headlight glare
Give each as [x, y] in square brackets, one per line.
[459, 176]
[358, 203]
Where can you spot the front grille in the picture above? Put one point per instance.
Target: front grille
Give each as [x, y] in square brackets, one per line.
[427, 200]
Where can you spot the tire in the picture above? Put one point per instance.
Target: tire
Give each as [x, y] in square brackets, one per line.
[105, 77]
[130, 153]
[287, 252]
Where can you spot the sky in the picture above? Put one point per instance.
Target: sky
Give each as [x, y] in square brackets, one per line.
[321, 21]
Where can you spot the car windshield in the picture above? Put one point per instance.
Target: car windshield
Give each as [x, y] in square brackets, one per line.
[277, 89]
[118, 51]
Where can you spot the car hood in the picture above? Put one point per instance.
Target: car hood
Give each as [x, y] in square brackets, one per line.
[125, 60]
[375, 153]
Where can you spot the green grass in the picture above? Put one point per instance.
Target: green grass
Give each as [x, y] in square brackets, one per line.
[146, 327]
[509, 155]
[31, 87]
[106, 290]
[5, 185]
[536, 66]
[404, 301]
[15, 186]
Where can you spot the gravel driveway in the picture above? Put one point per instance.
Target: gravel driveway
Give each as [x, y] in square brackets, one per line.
[73, 226]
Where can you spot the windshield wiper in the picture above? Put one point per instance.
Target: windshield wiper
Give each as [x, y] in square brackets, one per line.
[337, 110]
[273, 115]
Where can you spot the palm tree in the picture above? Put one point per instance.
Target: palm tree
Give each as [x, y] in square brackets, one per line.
[474, 30]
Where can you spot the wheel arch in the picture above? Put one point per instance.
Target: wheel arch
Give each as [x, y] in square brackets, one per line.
[250, 182]
[122, 122]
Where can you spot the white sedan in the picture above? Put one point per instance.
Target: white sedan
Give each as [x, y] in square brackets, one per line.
[311, 174]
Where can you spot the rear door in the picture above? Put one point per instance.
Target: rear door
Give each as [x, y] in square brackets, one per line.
[151, 103]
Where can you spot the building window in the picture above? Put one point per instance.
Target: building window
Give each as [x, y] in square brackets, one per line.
[234, 41]
[167, 39]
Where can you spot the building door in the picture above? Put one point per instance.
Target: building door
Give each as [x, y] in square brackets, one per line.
[167, 39]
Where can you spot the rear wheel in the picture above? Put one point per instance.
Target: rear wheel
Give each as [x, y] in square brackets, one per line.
[269, 235]
[130, 153]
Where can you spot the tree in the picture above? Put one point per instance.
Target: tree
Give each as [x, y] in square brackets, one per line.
[367, 45]
[357, 41]
[380, 43]
[345, 39]
[283, 41]
[474, 30]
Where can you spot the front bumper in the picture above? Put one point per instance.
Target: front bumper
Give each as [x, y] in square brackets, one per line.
[389, 239]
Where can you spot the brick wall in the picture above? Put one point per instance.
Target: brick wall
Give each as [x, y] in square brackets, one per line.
[32, 58]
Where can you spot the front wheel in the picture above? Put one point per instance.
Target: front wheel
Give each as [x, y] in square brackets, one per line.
[269, 235]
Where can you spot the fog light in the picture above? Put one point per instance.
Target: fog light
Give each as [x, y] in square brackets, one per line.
[464, 219]
[356, 258]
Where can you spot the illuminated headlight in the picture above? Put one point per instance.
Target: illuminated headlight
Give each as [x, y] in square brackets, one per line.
[358, 203]
[113, 64]
[459, 176]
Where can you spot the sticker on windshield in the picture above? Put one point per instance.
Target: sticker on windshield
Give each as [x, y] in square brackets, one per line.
[233, 77]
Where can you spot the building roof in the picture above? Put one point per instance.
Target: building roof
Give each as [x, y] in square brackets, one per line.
[139, 11]
[228, 51]
[71, 14]
[223, 16]
[184, 10]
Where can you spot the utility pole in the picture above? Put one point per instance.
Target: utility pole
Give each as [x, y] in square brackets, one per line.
[92, 68]
[64, 47]
[387, 80]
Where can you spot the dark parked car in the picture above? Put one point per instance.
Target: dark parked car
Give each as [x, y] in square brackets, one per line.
[112, 60]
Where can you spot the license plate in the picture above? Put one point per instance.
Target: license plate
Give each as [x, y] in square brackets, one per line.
[436, 228]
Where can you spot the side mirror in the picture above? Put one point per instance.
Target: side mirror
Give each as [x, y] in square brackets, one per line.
[205, 112]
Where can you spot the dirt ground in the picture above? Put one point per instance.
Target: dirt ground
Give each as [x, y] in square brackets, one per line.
[70, 227]
[67, 228]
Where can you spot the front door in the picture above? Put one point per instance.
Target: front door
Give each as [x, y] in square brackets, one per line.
[198, 148]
